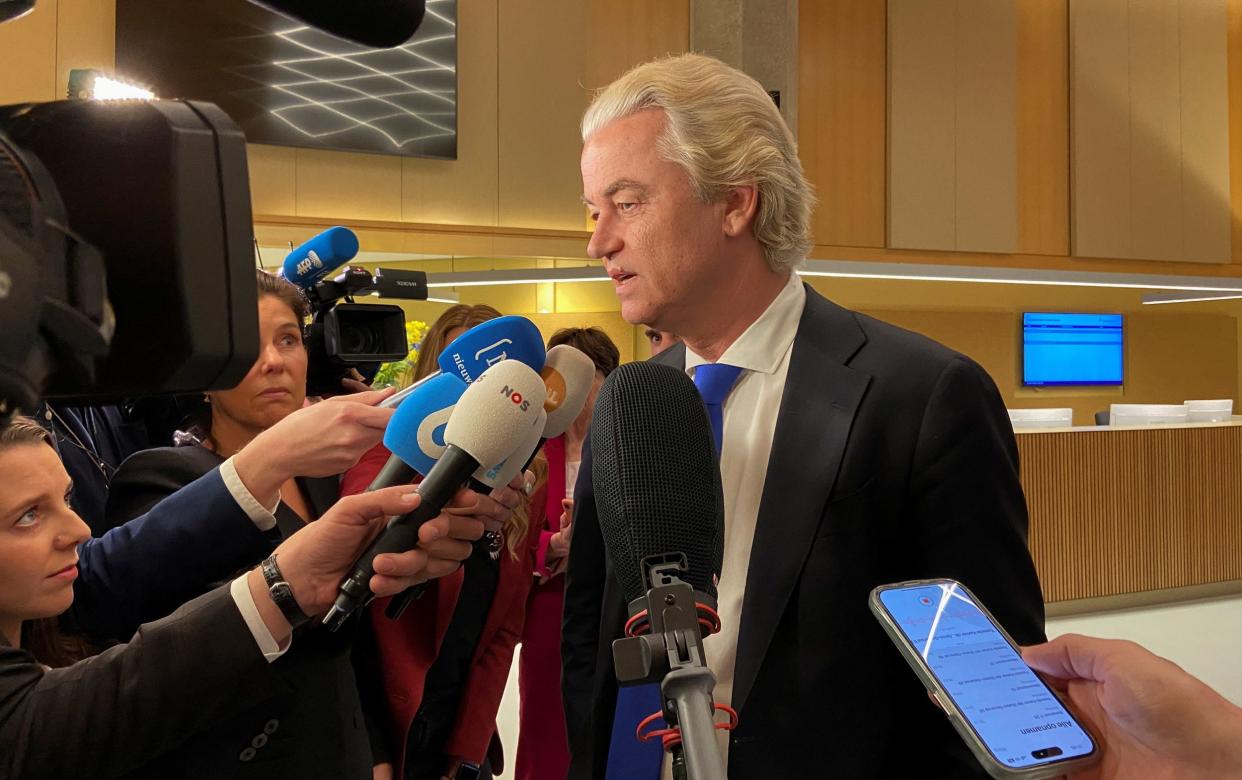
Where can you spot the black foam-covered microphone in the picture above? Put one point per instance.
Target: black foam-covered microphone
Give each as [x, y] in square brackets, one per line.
[379, 23]
[656, 478]
[661, 512]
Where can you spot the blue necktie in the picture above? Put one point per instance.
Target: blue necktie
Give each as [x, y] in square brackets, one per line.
[629, 759]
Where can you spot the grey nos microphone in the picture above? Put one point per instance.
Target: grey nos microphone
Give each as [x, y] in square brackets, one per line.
[661, 513]
[495, 415]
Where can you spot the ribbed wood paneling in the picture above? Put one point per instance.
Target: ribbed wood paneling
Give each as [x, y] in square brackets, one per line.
[1126, 511]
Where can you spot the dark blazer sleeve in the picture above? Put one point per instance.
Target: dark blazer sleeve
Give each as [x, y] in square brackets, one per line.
[148, 477]
[580, 623]
[969, 515]
[107, 715]
[146, 568]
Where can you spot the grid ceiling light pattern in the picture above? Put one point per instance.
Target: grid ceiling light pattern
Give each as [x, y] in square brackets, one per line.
[321, 86]
[289, 84]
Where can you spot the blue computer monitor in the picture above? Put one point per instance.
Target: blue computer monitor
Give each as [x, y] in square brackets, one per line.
[1060, 349]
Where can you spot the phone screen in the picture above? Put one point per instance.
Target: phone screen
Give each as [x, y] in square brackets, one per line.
[1008, 707]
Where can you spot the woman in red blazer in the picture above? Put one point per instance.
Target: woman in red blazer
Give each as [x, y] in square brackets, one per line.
[437, 674]
[543, 751]
[449, 730]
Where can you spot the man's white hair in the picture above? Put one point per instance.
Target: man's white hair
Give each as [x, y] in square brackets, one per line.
[725, 131]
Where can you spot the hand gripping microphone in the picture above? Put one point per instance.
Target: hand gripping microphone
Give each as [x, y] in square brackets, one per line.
[484, 345]
[320, 256]
[494, 414]
[661, 514]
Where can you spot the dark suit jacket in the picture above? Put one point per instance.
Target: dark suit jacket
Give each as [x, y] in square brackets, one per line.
[893, 459]
[143, 570]
[315, 727]
[105, 716]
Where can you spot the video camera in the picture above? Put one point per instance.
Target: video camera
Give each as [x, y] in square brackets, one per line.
[345, 336]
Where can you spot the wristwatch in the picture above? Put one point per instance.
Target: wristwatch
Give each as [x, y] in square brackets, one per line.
[281, 593]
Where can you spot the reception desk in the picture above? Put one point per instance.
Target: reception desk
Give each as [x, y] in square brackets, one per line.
[1117, 512]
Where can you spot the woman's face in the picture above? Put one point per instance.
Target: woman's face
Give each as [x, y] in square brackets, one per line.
[276, 384]
[39, 535]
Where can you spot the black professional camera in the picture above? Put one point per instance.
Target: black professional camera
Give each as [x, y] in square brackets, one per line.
[127, 213]
[357, 336]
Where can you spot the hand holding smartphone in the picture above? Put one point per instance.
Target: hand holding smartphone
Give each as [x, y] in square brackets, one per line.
[1015, 724]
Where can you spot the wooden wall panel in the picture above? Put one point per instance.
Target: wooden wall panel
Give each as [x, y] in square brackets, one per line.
[622, 35]
[922, 145]
[1205, 136]
[1126, 511]
[1100, 127]
[541, 74]
[1150, 129]
[842, 100]
[1155, 129]
[1234, 56]
[344, 185]
[952, 125]
[1042, 117]
[463, 191]
[28, 56]
[986, 129]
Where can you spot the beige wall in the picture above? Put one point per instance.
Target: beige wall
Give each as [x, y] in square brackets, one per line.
[38, 50]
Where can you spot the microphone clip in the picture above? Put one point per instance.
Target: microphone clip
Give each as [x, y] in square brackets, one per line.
[664, 644]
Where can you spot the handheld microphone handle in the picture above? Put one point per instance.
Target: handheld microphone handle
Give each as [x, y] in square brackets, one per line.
[395, 472]
[400, 535]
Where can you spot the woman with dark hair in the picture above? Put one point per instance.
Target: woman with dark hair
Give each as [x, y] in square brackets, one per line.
[274, 388]
[542, 749]
[316, 727]
[215, 658]
[440, 670]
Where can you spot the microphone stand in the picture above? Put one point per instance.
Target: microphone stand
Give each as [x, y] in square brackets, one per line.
[670, 651]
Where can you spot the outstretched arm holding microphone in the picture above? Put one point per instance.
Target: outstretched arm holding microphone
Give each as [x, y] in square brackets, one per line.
[177, 676]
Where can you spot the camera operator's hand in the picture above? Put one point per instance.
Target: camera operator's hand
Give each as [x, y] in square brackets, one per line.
[316, 558]
[320, 440]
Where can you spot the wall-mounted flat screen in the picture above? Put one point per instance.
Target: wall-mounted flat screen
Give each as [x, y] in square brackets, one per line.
[1062, 349]
[291, 85]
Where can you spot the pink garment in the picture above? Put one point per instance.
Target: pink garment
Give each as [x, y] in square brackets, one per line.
[543, 749]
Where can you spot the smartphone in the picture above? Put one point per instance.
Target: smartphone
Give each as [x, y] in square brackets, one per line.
[1016, 725]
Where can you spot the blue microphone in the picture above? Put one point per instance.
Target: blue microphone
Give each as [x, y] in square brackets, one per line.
[488, 343]
[320, 256]
[415, 434]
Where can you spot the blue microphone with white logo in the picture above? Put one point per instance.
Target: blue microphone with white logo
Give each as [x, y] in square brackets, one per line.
[415, 434]
[484, 345]
[320, 256]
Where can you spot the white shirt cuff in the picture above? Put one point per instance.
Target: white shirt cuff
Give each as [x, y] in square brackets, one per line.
[240, 591]
[263, 518]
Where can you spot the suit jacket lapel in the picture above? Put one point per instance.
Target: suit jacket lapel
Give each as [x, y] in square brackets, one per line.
[821, 397]
[321, 492]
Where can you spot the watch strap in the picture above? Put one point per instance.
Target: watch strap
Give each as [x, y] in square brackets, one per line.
[281, 593]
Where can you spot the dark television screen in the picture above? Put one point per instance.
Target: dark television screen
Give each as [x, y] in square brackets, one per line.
[1071, 349]
[291, 85]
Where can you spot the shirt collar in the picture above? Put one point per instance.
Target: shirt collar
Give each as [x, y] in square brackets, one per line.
[763, 345]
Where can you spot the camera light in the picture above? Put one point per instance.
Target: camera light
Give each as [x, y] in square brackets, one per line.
[87, 84]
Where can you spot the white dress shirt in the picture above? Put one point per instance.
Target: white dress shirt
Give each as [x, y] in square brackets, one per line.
[750, 413]
[265, 520]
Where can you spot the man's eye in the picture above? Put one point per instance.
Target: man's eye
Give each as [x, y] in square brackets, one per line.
[624, 207]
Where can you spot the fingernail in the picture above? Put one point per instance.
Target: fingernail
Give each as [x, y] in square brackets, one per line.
[382, 566]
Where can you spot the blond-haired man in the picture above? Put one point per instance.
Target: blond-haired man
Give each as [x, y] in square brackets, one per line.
[854, 453]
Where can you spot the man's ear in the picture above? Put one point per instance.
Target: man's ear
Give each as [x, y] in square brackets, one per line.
[741, 204]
